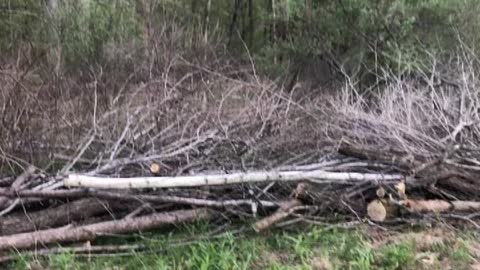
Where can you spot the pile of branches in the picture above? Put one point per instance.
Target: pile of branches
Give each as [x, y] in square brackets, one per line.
[357, 184]
[194, 120]
[240, 148]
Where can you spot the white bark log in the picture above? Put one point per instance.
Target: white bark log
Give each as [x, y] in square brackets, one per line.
[75, 180]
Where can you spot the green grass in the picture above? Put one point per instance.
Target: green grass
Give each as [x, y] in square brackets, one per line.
[311, 248]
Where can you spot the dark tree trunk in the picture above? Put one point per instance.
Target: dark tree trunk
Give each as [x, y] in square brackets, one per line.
[251, 27]
[233, 24]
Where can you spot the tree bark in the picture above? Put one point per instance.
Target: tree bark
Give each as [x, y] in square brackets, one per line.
[233, 23]
[251, 28]
[206, 23]
[55, 52]
[274, 32]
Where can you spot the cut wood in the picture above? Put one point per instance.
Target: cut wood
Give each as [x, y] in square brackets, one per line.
[377, 211]
[441, 205]
[380, 192]
[75, 180]
[92, 231]
[155, 168]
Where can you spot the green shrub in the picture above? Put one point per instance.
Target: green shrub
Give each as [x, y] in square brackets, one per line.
[398, 256]
[364, 36]
[81, 29]
[86, 26]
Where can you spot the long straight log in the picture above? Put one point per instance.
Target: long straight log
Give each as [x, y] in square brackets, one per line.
[51, 217]
[92, 231]
[61, 215]
[75, 180]
[441, 205]
[124, 196]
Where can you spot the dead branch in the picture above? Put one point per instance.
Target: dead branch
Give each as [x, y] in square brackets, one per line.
[18, 182]
[283, 212]
[114, 196]
[393, 157]
[276, 217]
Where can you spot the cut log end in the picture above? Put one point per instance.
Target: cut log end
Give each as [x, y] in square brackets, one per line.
[376, 211]
[155, 168]
[381, 192]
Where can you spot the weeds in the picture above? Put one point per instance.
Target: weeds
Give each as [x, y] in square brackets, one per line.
[398, 256]
[309, 249]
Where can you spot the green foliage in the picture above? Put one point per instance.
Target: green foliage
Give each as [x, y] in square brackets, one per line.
[461, 256]
[398, 256]
[64, 261]
[281, 250]
[85, 27]
[79, 29]
[362, 35]
[366, 36]
[20, 21]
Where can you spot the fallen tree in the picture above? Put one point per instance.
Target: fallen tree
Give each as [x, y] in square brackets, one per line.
[92, 231]
[380, 210]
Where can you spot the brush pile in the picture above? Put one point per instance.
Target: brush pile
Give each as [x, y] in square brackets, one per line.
[222, 145]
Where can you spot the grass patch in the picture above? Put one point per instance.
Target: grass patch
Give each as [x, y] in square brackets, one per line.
[311, 248]
[398, 256]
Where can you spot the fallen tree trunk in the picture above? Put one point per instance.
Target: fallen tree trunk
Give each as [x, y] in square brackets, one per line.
[92, 231]
[74, 180]
[61, 215]
[55, 216]
[441, 205]
[380, 210]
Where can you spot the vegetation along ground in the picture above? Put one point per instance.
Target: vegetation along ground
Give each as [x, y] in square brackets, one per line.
[313, 247]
